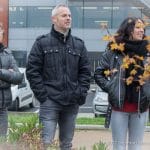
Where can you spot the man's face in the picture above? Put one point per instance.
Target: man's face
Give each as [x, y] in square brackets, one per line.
[62, 20]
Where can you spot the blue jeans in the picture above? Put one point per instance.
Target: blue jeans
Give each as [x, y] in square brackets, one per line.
[130, 124]
[51, 114]
[3, 122]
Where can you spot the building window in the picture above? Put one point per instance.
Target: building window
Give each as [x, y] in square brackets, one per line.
[32, 16]
[17, 16]
[91, 14]
[39, 16]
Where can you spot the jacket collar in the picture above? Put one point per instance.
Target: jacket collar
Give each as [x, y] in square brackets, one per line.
[59, 35]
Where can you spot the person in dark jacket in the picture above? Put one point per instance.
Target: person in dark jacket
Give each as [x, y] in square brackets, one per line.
[58, 71]
[9, 74]
[124, 72]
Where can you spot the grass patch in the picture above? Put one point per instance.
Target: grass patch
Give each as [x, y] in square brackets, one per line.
[91, 121]
[21, 117]
[148, 124]
[24, 133]
[25, 117]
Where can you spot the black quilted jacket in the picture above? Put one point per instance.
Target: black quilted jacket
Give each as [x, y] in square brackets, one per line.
[7, 77]
[58, 69]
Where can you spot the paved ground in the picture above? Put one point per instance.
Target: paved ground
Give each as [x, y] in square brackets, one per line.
[87, 138]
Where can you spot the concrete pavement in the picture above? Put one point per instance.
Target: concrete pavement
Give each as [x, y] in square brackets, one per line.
[88, 135]
[87, 138]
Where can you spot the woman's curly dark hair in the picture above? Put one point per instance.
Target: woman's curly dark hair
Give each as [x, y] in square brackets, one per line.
[126, 28]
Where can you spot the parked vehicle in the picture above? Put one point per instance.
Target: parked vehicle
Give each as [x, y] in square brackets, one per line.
[100, 102]
[22, 94]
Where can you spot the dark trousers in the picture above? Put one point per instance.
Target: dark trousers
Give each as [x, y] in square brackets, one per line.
[51, 114]
[3, 122]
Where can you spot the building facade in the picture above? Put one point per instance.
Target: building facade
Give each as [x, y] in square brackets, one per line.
[31, 18]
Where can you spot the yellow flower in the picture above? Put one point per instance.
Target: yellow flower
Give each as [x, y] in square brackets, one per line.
[140, 25]
[129, 80]
[107, 73]
[139, 57]
[108, 38]
[119, 47]
[133, 72]
[114, 46]
[148, 47]
[147, 38]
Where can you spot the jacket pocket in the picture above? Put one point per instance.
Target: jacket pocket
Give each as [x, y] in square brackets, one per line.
[73, 59]
[116, 90]
[52, 63]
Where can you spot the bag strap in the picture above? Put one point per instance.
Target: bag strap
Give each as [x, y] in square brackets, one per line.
[108, 116]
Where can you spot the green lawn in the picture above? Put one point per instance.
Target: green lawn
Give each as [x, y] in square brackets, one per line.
[91, 121]
[23, 117]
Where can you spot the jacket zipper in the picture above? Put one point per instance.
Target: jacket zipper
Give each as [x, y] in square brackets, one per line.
[65, 71]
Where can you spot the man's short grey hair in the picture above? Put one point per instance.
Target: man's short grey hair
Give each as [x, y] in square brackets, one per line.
[55, 9]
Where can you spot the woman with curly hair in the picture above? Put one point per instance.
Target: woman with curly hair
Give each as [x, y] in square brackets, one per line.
[124, 72]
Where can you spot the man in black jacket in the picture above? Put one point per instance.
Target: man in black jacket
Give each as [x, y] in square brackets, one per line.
[58, 71]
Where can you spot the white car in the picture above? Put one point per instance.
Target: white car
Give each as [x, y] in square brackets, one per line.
[22, 94]
[100, 102]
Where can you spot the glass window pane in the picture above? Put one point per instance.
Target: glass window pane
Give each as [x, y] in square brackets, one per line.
[91, 13]
[77, 15]
[17, 16]
[39, 16]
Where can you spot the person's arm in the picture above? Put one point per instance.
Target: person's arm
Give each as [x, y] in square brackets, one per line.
[11, 75]
[34, 71]
[84, 71]
[84, 76]
[104, 64]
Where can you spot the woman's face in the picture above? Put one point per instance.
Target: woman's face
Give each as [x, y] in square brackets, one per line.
[138, 31]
